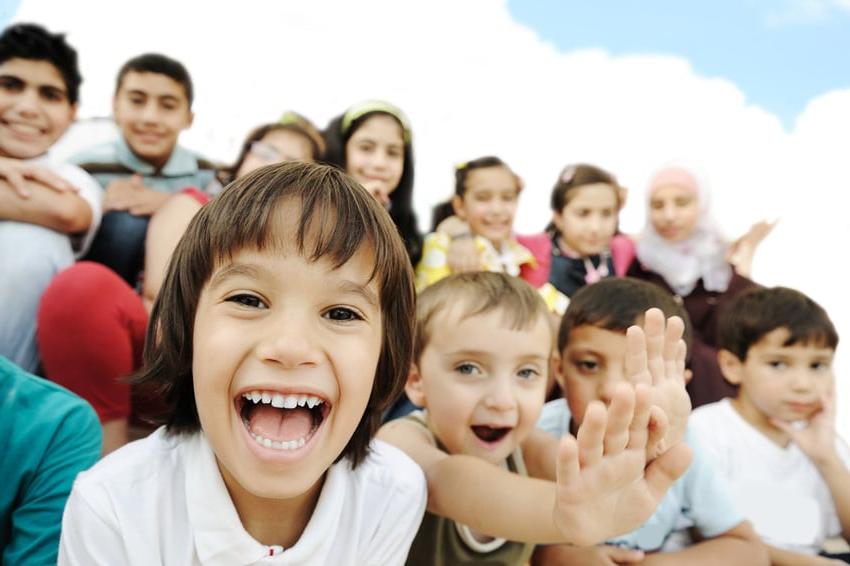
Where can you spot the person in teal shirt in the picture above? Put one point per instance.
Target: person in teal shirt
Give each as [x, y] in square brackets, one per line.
[47, 436]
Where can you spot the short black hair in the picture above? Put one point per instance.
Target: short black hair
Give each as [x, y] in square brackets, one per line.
[761, 310]
[33, 42]
[616, 303]
[161, 65]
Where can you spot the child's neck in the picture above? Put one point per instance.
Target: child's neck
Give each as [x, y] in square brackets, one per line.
[760, 422]
[273, 522]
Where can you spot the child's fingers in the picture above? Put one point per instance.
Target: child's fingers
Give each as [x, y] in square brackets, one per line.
[591, 434]
[620, 414]
[567, 469]
[653, 328]
[666, 469]
[636, 364]
[672, 335]
[640, 421]
[18, 184]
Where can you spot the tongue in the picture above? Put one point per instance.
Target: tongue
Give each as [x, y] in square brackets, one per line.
[280, 424]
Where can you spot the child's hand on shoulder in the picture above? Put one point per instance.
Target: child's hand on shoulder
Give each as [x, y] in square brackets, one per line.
[604, 486]
[655, 356]
[17, 172]
[817, 438]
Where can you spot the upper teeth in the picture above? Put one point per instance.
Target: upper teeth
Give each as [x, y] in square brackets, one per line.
[282, 401]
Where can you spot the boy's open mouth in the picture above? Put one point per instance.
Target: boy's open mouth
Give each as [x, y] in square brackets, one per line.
[490, 433]
[281, 422]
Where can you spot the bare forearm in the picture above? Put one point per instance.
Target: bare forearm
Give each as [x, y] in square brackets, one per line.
[512, 507]
[722, 550]
[64, 212]
[781, 557]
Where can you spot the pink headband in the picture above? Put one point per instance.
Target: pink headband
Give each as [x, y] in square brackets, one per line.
[673, 176]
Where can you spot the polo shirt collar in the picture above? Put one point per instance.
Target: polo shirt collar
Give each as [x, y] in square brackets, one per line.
[182, 161]
[220, 538]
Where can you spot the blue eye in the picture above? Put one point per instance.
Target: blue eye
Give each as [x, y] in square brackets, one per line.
[528, 373]
[247, 300]
[466, 369]
[342, 314]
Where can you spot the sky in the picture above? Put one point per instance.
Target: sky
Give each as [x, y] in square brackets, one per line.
[780, 53]
[498, 77]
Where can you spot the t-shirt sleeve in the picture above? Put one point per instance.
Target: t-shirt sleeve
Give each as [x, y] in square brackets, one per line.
[708, 502]
[90, 533]
[35, 521]
[92, 193]
[402, 514]
[434, 264]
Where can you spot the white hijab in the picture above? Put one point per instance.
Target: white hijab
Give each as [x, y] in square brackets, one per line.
[700, 256]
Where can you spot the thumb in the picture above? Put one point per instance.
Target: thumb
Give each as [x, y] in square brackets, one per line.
[136, 180]
[783, 426]
[625, 555]
[667, 468]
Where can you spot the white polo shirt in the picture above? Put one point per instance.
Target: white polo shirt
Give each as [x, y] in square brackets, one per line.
[161, 500]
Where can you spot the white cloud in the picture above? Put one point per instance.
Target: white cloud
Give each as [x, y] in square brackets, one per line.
[794, 12]
[475, 82]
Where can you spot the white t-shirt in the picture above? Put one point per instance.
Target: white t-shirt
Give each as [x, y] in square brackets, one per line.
[778, 489]
[90, 191]
[161, 500]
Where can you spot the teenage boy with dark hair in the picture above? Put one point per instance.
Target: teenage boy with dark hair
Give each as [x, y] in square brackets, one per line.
[141, 169]
[48, 212]
[775, 442]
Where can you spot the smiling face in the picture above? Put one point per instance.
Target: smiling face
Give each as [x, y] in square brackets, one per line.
[589, 219]
[482, 382]
[592, 364]
[489, 203]
[778, 381]
[151, 109]
[285, 355]
[34, 107]
[374, 156]
[674, 212]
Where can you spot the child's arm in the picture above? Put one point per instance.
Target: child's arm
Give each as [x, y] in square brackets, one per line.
[602, 489]
[739, 545]
[780, 557]
[61, 210]
[818, 442]
[132, 195]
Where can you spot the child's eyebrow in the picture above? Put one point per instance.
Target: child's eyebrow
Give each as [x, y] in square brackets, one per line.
[234, 270]
[348, 286]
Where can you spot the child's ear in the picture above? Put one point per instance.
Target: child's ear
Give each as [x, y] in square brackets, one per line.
[731, 367]
[555, 368]
[688, 376]
[457, 205]
[622, 193]
[414, 387]
[191, 119]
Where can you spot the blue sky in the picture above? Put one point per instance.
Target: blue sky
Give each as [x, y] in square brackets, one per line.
[780, 53]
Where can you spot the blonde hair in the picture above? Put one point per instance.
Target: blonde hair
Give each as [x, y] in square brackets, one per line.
[478, 292]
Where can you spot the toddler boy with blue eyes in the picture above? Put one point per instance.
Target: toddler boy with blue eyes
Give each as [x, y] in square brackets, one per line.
[592, 343]
[775, 441]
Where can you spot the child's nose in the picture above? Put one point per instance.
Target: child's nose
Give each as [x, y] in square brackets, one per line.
[287, 343]
[27, 102]
[500, 397]
[150, 113]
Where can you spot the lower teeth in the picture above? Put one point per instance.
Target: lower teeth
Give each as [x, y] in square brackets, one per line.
[282, 445]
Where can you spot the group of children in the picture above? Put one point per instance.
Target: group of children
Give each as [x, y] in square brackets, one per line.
[330, 387]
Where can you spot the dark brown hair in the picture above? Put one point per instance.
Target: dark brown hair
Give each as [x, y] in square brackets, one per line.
[759, 311]
[295, 123]
[479, 292]
[338, 217]
[616, 303]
